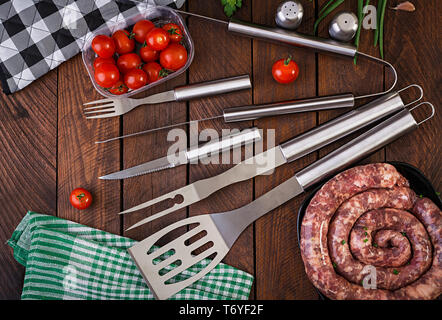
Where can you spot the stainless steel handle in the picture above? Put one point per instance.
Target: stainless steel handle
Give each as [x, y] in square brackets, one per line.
[290, 38]
[379, 136]
[341, 126]
[315, 104]
[245, 137]
[211, 88]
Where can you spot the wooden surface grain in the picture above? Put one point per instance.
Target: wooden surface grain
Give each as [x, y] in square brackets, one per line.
[47, 147]
[28, 157]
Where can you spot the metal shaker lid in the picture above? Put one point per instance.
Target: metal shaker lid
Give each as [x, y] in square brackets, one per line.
[289, 14]
[343, 26]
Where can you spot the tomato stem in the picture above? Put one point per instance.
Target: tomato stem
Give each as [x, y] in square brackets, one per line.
[173, 31]
[131, 35]
[287, 61]
[164, 73]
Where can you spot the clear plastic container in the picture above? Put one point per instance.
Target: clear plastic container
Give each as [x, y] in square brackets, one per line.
[159, 16]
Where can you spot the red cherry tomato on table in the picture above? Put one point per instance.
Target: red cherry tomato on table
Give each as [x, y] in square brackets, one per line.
[148, 54]
[99, 60]
[118, 88]
[80, 198]
[154, 71]
[106, 75]
[175, 33]
[124, 42]
[141, 29]
[135, 78]
[285, 70]
[103, 46]
[173, 57]
[158, 39]
[128, 61]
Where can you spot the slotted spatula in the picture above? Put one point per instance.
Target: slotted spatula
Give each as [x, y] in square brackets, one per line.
[222, 229]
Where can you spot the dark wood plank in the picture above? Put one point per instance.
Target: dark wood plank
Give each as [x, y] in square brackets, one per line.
[28, 143]
[217, 55]
[80, 160]
[279, 268]
[412, 45]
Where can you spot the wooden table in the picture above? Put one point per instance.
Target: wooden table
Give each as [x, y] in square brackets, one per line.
[47, 147]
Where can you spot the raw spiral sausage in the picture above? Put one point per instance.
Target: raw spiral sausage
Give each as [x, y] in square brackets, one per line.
[366, 235]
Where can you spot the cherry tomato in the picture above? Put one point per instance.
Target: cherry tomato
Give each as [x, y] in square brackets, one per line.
[135, 78]
[154, 71]
[124, 42]
[128, 61]
[118, 88]
[141, 29]
[173, 57]
[175, 33]
[285, 70]
[106, 75]
[158, 39]
[103, 46]
[148, 54]
[80, 198]
[99, 60]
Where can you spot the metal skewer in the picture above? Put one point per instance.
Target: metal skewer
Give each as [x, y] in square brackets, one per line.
[154, 129]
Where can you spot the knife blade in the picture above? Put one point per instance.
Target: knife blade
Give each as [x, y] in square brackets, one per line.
[235, 140]
[147, 167]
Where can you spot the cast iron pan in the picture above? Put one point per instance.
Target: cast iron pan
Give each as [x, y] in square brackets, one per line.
[418, 182]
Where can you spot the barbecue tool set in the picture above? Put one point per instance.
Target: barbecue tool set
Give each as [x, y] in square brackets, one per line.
[164, 275]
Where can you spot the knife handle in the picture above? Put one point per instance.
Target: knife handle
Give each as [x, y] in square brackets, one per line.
[341, 126]
[245, 137]
[212, 88]
[365, 144]
[290, 37]
[296, 106]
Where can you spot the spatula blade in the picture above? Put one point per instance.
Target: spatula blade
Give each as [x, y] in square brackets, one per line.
[160, 285]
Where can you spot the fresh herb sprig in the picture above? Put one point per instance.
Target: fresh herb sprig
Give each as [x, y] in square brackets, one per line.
[361, 7]
[230, 6]
[381, 28]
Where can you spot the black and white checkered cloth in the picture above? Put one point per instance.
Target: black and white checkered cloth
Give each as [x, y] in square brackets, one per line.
[37, 35]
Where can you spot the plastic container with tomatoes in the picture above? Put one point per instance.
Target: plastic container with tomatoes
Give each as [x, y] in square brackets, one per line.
[160, 16]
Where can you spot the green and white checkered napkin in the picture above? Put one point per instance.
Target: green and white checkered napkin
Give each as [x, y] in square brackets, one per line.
[66, 260]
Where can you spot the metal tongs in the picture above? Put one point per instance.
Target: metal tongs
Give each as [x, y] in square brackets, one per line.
[279, 35]
[293, 38]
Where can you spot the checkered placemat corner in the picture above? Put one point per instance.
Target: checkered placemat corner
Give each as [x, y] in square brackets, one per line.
[37, 35]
